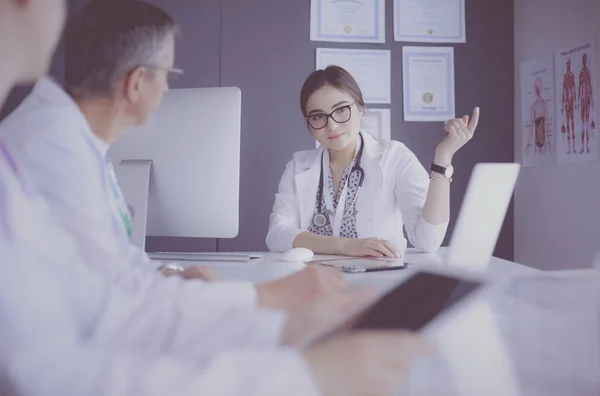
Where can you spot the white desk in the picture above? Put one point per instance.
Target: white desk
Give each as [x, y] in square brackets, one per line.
[539, 337]
[271, 267]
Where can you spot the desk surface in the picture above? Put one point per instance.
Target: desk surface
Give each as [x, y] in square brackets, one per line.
[271, 267]
[539, 336]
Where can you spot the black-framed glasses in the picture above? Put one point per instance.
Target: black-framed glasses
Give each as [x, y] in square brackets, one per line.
[339, 115]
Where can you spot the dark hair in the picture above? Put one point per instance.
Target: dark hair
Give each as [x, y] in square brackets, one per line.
[335, 76]
[108, 39]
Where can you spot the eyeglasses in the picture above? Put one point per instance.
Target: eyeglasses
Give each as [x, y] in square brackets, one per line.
[339, 115]
[172, 72]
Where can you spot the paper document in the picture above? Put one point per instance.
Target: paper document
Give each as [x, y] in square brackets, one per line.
[347, 21]
[428, 80]
[370, 68]
[431, 21]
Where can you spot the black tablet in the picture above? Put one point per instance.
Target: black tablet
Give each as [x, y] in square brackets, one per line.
[414, 303]
[410, 305]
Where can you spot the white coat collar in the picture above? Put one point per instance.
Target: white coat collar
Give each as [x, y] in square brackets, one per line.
[49, 90]
[373, 150]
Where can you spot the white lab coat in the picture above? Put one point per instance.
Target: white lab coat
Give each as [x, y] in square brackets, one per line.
[393, 194]
[65, 332]
[54, 146]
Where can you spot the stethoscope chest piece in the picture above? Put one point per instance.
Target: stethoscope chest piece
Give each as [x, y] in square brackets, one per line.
[320, 220]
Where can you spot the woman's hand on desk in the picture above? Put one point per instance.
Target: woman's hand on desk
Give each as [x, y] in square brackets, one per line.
[300, 289]
[364, 363]
[368, 247]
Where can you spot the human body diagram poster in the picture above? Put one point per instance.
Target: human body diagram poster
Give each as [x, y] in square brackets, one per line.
[537, 111]
[575, 103]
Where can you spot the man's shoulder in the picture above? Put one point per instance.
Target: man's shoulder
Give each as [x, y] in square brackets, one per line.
[40, 125]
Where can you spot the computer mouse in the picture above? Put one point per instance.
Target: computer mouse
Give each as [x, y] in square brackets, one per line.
[297, 255]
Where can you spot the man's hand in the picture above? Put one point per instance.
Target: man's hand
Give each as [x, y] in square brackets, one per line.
[321, 314]
[196, 272]
[302, 288]
[364, 363]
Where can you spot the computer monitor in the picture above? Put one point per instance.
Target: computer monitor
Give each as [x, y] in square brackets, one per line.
[184, 163]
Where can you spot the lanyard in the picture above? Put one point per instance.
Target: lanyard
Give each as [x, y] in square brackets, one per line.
[336, 222]
[118, 201]
[338, 214]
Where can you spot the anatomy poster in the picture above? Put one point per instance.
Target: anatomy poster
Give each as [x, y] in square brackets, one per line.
[575, 103]
[537, 111]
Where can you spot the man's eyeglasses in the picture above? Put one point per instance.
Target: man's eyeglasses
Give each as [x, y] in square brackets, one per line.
[172, 72]
[339, 115]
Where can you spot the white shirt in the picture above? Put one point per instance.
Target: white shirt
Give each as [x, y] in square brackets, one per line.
[392, 195]
[55, 147]
[66, 332]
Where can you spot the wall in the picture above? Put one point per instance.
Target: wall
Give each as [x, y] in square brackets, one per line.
[266, 51]
[263, 47]
[556, 224]
[199, 54]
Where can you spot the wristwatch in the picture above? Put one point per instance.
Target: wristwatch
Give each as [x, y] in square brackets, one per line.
[447, 171]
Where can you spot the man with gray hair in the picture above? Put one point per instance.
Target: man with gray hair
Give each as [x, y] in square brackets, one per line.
[119, 56]
[51, 312]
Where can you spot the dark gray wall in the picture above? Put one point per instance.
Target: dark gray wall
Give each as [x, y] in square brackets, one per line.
[267, 53]
[263, 47]
[199, 54]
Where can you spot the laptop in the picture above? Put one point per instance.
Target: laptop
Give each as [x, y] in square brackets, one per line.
[481, 215]
[442, 291]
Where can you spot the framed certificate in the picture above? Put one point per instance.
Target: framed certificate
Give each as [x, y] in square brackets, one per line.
[428, 80]
[347, 21]
[431, 21]
[370, 68]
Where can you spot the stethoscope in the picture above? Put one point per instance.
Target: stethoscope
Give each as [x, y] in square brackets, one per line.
[323, 215]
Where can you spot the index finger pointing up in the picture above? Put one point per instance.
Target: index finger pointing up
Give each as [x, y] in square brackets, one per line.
[474, 120]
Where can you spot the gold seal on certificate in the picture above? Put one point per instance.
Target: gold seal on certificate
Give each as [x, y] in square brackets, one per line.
[347, 29]
[427, 97]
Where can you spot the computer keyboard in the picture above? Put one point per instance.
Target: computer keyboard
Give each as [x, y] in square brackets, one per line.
[203, 256]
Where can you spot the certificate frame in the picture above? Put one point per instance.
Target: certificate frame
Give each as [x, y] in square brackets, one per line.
[382, 96]
[447, 53]
[383, 117]
[317, 25]
[423, 38]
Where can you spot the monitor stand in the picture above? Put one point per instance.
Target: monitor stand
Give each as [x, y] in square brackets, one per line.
[134, 179]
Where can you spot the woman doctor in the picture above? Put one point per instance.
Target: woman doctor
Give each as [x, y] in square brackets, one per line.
[353, 194]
